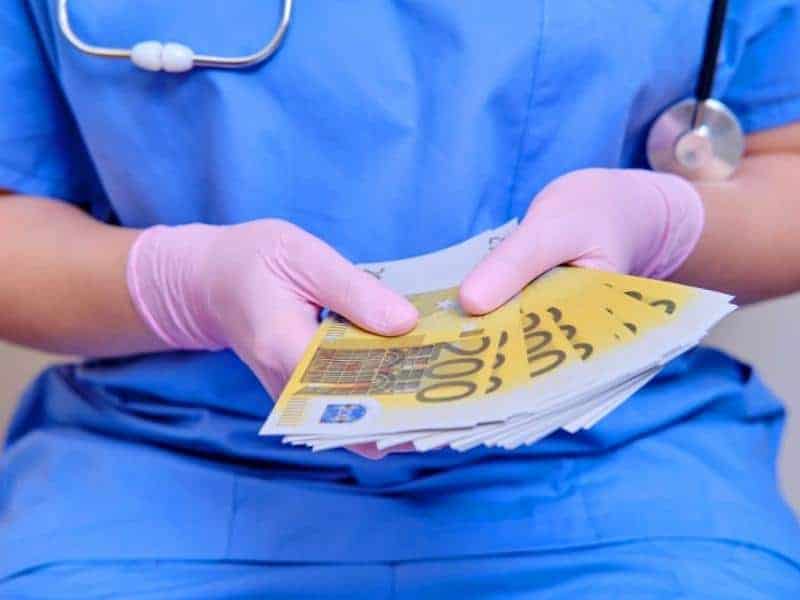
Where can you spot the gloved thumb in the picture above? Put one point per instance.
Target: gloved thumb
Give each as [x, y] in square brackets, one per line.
[536, 246]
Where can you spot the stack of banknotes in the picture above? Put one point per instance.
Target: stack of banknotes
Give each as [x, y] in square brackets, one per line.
[565, 352]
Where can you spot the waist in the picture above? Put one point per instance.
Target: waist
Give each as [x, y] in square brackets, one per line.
[210, 404]
[175, 477]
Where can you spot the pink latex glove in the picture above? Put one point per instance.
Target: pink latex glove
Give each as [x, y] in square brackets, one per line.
[256, 288]
[624, 220]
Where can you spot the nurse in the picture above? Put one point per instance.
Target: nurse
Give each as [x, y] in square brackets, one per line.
[183, 231]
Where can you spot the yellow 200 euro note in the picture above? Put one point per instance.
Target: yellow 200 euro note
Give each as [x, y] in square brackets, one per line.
[351, 382]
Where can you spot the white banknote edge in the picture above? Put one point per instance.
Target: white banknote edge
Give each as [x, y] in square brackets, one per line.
[440, 269]
[531, 434]
[555, 418]
[534, 429]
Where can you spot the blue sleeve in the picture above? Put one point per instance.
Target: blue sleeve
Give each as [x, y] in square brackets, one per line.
[763, 44]
[41, 150]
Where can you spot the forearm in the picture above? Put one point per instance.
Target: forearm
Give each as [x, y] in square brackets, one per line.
[750, 246]
[62, 281]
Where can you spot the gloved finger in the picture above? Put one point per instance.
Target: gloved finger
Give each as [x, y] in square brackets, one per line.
[537, 245]
[370, 450]
[331, 280]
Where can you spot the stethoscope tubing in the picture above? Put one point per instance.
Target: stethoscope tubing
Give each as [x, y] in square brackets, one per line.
[708, 66]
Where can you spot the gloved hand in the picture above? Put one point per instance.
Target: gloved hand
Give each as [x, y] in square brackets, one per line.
[256, 288]
[624, 220]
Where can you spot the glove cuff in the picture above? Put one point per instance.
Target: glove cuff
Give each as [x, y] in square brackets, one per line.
[162, 283]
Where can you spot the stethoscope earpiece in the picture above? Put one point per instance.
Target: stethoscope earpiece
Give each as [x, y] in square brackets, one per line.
[169, 57]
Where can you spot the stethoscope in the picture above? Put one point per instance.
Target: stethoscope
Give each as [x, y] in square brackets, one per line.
[172, 57]
[698, 138]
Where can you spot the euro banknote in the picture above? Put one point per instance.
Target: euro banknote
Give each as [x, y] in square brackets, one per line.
[566, 351]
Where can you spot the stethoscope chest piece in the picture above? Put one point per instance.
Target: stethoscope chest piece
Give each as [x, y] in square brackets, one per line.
[701, 141]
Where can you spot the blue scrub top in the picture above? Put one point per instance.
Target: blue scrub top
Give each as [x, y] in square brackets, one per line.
[387, 129]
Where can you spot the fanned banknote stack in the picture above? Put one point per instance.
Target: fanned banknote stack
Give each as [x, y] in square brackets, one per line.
[565, 352]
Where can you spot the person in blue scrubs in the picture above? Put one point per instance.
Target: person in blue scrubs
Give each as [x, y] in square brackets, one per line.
[386, 129]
